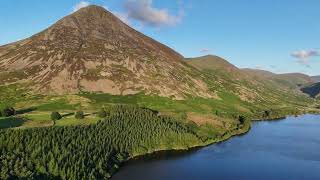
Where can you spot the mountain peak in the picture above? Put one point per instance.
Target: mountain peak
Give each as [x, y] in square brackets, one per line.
[92, 21]
[94, 12]
[93, 8]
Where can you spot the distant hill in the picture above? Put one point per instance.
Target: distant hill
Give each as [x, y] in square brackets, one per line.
[250, 85]
[212, 62]
[92, 50]
[316, 78]
[218, 65]
[312, 90]
[297, 79]
[215, 63]
[289, 80]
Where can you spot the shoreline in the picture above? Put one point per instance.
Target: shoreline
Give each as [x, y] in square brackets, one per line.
[236, 132]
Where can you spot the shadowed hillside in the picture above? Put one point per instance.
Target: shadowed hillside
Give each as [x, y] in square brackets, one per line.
[312, 90]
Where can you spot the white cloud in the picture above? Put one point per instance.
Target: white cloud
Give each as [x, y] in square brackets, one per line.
[80, 5]
[142, 11]
[304, 56]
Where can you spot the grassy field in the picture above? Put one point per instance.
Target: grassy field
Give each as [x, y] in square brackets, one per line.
[42, 119]
[34, 110]
[228, 104]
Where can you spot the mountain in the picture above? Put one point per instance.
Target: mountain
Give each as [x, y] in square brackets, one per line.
[257, 87]
[289, 80]
[92, 50]
[218, 64]
[316, 78]
[212, 62]
[312, 90]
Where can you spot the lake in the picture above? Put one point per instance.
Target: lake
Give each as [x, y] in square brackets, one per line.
[284, 149]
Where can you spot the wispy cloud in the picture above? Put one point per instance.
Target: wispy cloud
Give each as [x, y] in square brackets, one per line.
[205, 50]
[80, 5]
[144, 12]
[304, 56]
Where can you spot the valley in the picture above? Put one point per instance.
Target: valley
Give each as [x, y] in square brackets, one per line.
[135, 95]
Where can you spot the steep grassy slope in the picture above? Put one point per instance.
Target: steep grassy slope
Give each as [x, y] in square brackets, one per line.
[259, 73]
[236, 92]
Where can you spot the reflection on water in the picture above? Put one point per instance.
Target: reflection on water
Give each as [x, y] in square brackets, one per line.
[287, 149]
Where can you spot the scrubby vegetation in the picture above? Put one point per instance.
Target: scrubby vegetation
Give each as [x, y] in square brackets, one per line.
[55, 116]
[276, 113]
[79, 115]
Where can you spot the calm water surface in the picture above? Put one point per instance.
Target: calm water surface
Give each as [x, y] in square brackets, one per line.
[288, 149]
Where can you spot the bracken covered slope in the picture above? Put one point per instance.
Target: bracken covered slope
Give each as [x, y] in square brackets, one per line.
[92, 50]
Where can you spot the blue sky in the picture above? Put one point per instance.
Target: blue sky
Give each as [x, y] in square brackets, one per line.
[277, 35]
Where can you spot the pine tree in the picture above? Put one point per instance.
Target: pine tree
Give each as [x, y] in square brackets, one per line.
[79, 115]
